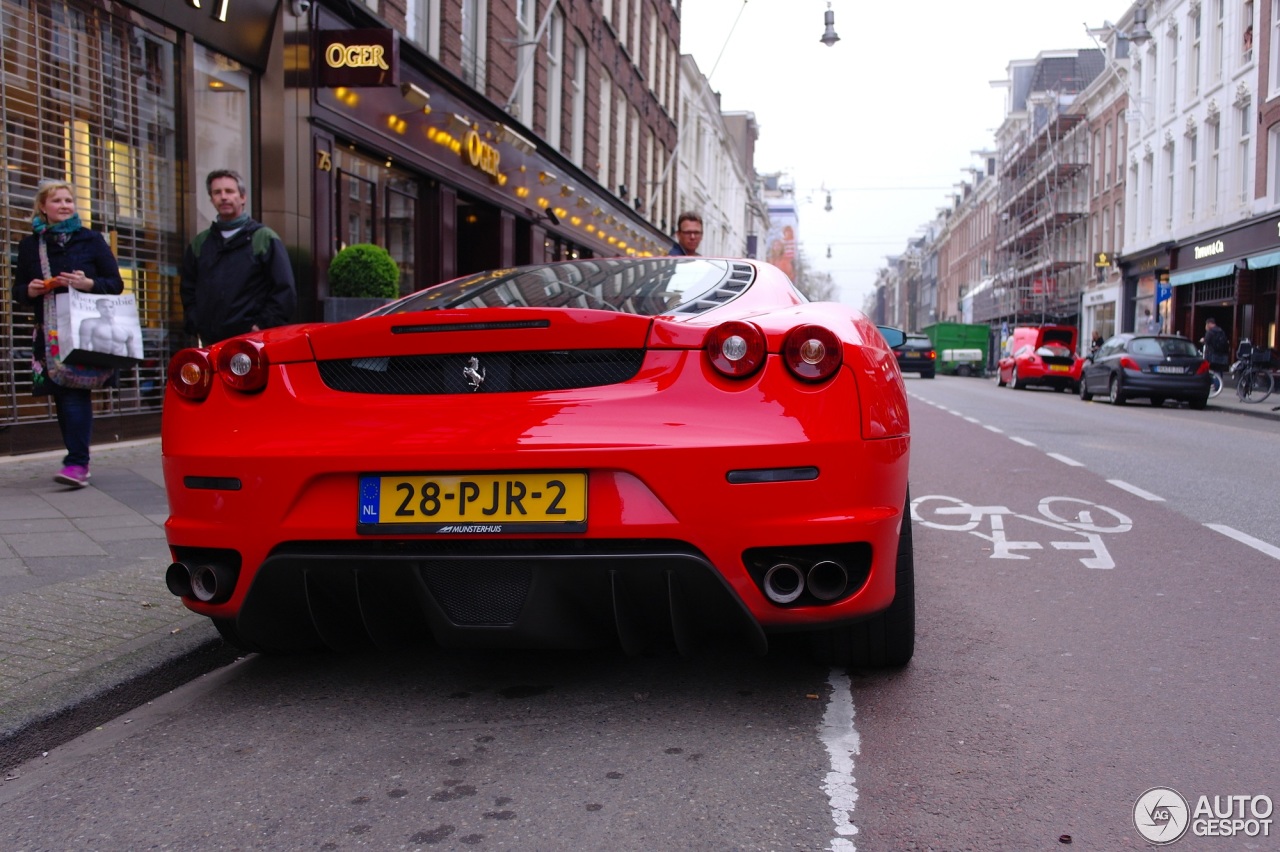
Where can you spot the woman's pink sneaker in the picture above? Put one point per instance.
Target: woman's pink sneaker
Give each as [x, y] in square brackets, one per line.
[77, 476]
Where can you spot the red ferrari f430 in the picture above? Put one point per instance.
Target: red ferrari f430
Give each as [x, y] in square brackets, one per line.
[637, 452]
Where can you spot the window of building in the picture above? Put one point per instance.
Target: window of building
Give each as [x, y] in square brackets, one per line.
[422, 24]
[526, 67]
[1169, 175]
[1244, 114]
[652, 54]
[636, 33]
[1191, 190]
[555, 77]
[1148, 193]
[606, 122]
[633, 171]
[1212, 171]
[375, 203]
[578, 93]
[1273, 50]
[1217, 54]
[620, 146]
[1120, 151]
[1171, 80]
[110, 125]
[1273, 163]
[1097, 162]
[1246, 39]
[620, 22]
[1108, 154]
[1193, 52]
[472, 34]
[1118, 246]
[221, 110]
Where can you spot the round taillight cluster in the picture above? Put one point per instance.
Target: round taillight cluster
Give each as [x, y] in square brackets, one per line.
[736, 349]
[191, 374]
[241, 364]
[812, 353]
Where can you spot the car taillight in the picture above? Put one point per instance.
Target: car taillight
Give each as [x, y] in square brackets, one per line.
[242, 365]
[191, 374]
[1204, 368]
[736, 349]
[932, 355]
[812, 353]
[1128, 363]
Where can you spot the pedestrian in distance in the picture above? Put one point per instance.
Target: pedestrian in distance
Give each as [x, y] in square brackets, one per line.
[59, 253]
[236, 275]
[1150, 324]
[1216, 347]
[688, 234]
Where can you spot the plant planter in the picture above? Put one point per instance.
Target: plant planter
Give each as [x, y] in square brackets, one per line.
[341, 309]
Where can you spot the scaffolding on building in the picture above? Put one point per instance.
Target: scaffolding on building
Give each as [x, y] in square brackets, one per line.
[1042, 195]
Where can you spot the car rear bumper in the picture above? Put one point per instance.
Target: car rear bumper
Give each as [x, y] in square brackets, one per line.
[1170, 387]
[668, 529]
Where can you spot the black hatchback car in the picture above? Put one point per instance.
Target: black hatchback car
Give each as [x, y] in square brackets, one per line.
[1153, 367]
[916, 355]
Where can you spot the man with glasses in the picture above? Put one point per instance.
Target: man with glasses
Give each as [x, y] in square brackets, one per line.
[688, 234]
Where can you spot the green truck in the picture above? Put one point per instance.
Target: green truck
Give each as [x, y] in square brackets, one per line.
[962, 348]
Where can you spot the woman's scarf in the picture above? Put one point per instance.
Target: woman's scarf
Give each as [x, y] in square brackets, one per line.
[67, 226]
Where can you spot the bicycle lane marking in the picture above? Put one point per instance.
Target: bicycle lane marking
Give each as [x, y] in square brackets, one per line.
[1084, 525]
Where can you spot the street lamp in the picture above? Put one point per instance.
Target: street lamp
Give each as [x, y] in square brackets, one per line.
[829, 37]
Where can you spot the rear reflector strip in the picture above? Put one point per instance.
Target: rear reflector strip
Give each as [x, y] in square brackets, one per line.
[776, 474]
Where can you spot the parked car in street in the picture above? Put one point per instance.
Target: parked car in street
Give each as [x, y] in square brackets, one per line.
[629, 452]
[916, 355]
[1041, 355]
[1154, 367]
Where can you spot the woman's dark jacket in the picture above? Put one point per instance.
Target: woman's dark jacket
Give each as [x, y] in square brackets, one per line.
[85, 250]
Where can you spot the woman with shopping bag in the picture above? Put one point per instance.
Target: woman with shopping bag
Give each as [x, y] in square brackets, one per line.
[62, 253]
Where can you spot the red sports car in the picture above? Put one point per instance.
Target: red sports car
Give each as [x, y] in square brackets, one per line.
[636, 451]
[1042, 355]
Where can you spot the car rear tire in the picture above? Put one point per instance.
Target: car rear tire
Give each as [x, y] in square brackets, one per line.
[1115, 394]
[927, 375]
[1157, 401]
[1084, 392]
[1199, 403]
[1000, 382]
[1013, 380]
[886, 639]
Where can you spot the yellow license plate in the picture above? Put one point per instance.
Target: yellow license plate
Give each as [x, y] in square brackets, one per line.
[1059, 368]
[465, 503]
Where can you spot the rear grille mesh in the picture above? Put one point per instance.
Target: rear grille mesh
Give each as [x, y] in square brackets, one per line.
[503, 372]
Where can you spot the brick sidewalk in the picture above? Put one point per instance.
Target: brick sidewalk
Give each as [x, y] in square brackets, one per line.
[83, 605]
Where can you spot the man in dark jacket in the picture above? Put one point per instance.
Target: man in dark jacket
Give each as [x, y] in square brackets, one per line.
[236, 275]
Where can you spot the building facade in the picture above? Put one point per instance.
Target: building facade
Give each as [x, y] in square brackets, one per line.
[412, 124]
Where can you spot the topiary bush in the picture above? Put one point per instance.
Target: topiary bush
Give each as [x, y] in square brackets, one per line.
[364, 271]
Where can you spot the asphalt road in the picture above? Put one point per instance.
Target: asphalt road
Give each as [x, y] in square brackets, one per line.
[1078, 644]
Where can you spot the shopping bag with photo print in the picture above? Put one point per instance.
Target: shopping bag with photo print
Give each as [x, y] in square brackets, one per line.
[98, 330]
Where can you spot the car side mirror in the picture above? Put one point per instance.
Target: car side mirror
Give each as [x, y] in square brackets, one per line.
[893, 337]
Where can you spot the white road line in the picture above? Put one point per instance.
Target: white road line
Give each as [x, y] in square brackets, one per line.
[995, 429]
[973, 420]
[1133, 489]
[1023, 441]
[843, 744]
[956, 413]
[1257, 544]
[1065, 459]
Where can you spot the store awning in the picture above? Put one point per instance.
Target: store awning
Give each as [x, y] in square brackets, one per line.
[1191, 276]
[1262, 261]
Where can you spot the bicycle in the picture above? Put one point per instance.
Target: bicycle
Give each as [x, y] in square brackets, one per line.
[1254, 382]
[1215, 377]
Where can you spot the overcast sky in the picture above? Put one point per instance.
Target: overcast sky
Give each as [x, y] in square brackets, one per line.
[887, 118]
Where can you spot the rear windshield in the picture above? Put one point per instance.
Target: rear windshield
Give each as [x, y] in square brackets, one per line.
[647, 286]
[1160, 347]
[917, 343]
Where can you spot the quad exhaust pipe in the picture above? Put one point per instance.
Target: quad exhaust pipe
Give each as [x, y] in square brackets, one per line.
[207, 583]
[826, 580]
